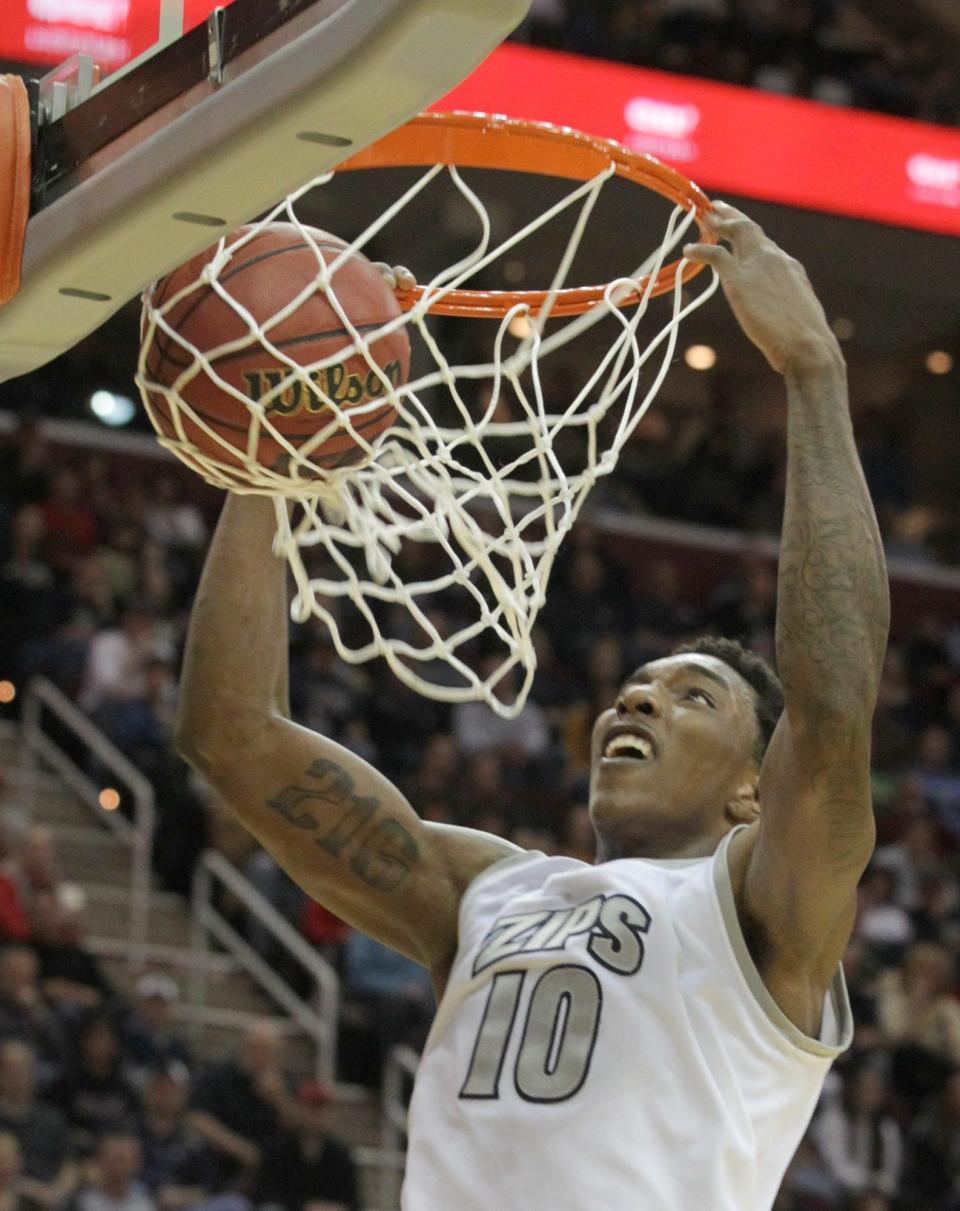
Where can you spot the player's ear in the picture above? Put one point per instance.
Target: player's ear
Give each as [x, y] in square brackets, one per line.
[744, 807]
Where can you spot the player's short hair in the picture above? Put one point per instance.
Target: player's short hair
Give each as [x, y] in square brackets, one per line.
[755, 671]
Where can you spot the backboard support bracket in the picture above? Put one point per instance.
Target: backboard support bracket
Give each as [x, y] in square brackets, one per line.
[64, 88]
[216, 39]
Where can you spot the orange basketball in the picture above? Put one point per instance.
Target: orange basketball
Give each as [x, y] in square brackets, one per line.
[264, 276]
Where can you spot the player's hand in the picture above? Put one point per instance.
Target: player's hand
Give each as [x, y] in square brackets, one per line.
[397, 278]
[768, 291]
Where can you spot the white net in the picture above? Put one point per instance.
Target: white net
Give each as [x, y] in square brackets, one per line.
[435, 553]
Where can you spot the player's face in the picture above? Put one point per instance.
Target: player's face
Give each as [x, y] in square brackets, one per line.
[671, 756]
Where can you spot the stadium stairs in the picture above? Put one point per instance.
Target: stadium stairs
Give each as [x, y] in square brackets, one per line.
[94, 858]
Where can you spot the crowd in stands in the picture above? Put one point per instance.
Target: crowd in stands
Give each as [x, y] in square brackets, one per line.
[97, 572]
[103, 1106]
[844, 52]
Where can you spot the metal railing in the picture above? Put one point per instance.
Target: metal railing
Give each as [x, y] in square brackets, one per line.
[399, 1070]
[136, 833]
[317, 1018]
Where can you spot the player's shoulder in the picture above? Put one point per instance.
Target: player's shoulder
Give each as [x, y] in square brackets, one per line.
[467, 853]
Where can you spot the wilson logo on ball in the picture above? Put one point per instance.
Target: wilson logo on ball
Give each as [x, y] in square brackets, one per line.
[331, 383]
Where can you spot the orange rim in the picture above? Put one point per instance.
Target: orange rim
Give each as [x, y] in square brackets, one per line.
[470, 140]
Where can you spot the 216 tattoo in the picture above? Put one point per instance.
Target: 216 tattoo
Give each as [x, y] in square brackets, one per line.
[382, 854]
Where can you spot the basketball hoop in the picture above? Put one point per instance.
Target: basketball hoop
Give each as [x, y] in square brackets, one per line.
[436, 551]
[485, 141]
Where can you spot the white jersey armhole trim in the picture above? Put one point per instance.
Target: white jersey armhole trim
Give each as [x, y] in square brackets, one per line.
[836, 1028]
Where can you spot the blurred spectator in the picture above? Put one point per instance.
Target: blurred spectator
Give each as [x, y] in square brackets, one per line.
[857, 1137]
[913, 858]
[437, 776]
[14, 921]
[937, 916]
[401, 723]
[118, 659]
[25, 467]
[15, 1194]
[844, 52]
[308, 1165]
[70, 977]
[585, 587]
[881, 921]
[240, 1107]
[24, 1011]
[115, 1184]
[325, 691]
[30, 599]
[920, 1020]
[171, 521]
[141, 724]
[745, 607]
[276, 886]
[37, 863]
[662, 609]
[397, 992]
[870, 1200]
[40, 1130]
[179, 1169]
[938, 779]
[93, 1094]
[148, 1037]
[70, 524]
[915, 1001]
[323, 929]
[517, 741]
[892, 721]
[118, 560]
[933, 1175]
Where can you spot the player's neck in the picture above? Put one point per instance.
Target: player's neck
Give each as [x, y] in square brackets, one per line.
[634, 844]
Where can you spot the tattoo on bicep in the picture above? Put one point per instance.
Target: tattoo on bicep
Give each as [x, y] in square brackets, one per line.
[382, 855]
[385, 860]
[334, 787]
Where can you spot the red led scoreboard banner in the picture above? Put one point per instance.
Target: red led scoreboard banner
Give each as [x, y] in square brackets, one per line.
[729, 140]
[111, 31]
[736, 140]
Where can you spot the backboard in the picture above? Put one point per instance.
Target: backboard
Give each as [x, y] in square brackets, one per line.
[208, 126]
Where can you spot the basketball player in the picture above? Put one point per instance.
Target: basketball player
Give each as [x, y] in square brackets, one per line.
[649, 1033]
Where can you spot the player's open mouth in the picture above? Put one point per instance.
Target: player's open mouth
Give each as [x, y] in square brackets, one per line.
[629, 741]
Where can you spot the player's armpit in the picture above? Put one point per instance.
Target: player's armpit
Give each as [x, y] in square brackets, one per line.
[351, 840]
[813, 840]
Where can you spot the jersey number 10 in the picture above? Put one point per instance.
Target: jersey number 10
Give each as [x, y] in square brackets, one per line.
[557, 1039]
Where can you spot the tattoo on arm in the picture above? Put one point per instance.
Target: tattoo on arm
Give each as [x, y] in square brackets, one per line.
[382, 855]
[833, 607]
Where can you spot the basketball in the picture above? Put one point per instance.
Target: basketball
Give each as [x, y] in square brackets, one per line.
[264, 276]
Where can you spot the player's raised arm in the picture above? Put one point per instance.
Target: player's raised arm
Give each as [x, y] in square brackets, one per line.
[816, 830]
[336, 825]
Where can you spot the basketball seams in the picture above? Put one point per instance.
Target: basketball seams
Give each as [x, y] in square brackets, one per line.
[206, 400]
[284, 344]
[330, 461]
[207, 293]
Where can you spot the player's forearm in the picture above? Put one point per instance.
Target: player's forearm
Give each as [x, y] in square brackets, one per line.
[833, 601]
[234, 671]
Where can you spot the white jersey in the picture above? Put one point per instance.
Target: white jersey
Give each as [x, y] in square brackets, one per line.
[605, 1041]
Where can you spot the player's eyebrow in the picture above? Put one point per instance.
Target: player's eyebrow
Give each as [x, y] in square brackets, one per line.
[642, 677]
